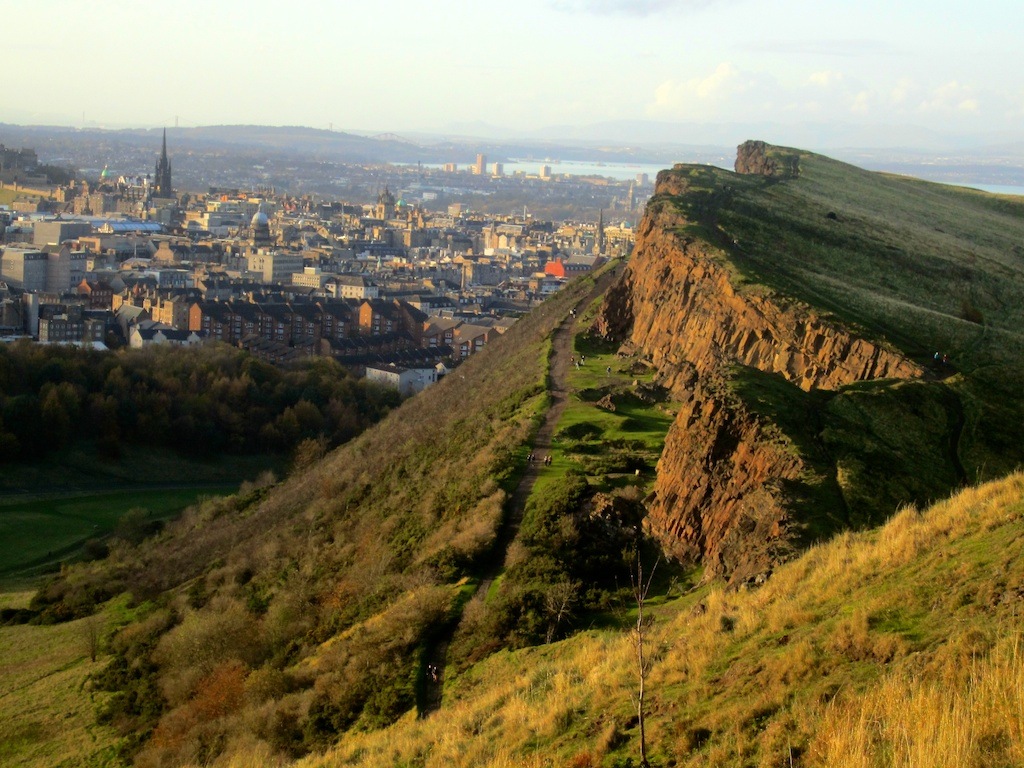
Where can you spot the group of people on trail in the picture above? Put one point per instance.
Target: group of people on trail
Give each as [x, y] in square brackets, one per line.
[939, 359]
[547, 459]
[432, 673]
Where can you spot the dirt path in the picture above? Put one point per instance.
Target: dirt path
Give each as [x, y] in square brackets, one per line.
[561, 352]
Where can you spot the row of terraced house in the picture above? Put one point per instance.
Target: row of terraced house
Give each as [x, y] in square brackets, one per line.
[313, 327]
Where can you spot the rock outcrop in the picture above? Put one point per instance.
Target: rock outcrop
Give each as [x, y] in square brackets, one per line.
[721, 490]
[759, 159]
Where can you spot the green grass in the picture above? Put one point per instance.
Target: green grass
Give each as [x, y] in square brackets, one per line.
[600, 441]
[47, 712]
[81, 468]
[38, 534]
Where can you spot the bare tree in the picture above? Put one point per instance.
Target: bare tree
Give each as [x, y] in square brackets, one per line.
[643, 662]
[558, 602]
[92, 634]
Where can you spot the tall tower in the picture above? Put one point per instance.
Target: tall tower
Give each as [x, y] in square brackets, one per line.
[259, 230]
[599, 235]
[162, 178]
[481, 163]
[385, 205]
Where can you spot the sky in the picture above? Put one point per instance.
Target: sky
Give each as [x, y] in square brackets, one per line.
[519, 66]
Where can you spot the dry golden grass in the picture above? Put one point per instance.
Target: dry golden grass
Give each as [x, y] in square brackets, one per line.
[800, 668]
[907, 722]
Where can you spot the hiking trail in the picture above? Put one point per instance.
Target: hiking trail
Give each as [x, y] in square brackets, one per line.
[561, 350]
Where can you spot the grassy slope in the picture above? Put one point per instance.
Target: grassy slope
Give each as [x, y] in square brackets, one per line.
[8, 194]
[606, 445]
[47, 712]
[875, 649]
[751, 679]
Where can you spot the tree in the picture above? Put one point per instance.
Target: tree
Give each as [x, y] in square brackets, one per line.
[558, 603]
[643, 662]
[92, 633]
[133, 526]
[309, 452]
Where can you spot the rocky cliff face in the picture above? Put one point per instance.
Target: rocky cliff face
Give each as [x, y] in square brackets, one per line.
[721, 490]
[758, 159]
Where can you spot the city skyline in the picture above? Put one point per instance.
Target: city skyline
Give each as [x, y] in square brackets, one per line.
[522, 69]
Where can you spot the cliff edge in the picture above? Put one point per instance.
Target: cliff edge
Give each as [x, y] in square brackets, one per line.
[776, 386]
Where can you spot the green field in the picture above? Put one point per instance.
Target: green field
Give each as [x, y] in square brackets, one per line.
[38, 533]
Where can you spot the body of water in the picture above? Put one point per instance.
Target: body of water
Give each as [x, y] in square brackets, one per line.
[630, 171]
[618, 171]
[998, 189]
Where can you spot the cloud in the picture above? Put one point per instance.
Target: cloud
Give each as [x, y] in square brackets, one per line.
[633, 7]
[861, 103]
[902, 92]
[825, 79]
[730, 93]
[951, 97]
[702, 97]
[840, 47]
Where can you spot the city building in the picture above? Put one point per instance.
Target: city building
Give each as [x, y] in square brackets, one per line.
[408, 381]
[275, 266]
[351, 287]
[57, 231]
[24, 268]
[65, 268]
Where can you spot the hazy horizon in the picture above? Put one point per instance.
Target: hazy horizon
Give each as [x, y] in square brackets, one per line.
[529, 69]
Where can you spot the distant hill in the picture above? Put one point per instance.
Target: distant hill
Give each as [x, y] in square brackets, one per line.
[300, 142]
[287, 140]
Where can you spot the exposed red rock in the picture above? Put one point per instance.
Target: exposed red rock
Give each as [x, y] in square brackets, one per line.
[752, 157]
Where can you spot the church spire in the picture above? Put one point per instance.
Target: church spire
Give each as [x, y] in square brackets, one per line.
[162, 178]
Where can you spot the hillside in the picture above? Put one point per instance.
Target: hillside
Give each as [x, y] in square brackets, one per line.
[794, 309]
[329, 586]
[757, 380]
[896, 647]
